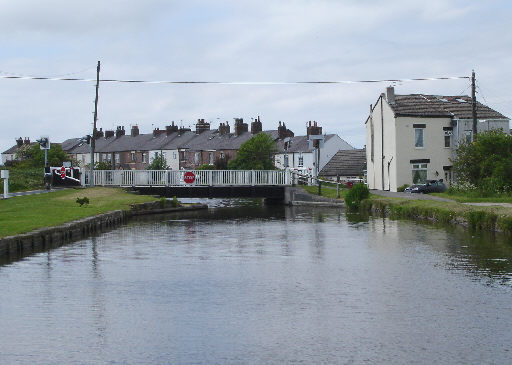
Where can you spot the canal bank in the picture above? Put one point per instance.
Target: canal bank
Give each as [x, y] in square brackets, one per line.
[38, 222]
[52, 237]
[492, 217]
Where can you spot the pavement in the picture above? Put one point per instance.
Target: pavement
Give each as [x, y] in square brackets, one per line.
[31, 192]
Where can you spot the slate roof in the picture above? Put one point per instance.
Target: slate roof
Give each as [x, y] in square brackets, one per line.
[69, 144]
[13, 149]
[207, 140]
[419, 105]
[346, 163]
[301, 144]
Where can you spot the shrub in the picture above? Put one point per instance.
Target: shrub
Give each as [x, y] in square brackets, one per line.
[402, 188]
[206, 167]
[354, 196]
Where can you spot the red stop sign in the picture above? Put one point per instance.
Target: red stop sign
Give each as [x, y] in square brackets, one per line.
[189, 177]
[62, 172]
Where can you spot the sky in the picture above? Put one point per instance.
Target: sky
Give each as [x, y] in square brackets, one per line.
[241, 41]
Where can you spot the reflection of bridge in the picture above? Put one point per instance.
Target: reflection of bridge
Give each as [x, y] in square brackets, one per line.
[197, 183]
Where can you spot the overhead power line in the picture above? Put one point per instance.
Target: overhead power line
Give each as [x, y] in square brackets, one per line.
[233, 82]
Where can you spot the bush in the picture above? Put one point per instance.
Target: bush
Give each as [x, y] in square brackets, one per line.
[354, 196]
[206, 167]
[400, 189]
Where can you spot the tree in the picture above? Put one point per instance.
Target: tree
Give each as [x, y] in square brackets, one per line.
[255, 154]
[34, 156]
[158, 163]
[102, 165]
[486, 164]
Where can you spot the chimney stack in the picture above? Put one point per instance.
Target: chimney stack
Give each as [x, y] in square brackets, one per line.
[313, 130]
[283, 132]
[26, 141]
[390, 95]
[135, 131]
[224, 128]
[202, 126]
[19, 142]
[119, 131]
[169, 129]
[182, 130]
[109, 134]
[256, 126]
[240, 126]
[99, 133]
[157, 131]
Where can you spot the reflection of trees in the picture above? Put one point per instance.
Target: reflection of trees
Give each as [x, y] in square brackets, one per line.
[488, 253]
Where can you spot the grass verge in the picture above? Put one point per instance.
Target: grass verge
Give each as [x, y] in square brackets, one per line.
[475, 217]
[27, 213]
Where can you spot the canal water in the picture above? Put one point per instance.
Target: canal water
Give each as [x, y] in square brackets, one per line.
[246, 283]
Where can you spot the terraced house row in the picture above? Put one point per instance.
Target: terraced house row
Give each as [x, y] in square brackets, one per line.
[184, 148]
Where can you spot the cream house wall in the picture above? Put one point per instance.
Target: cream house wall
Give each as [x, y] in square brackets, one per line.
[433, 148]
[381, 149]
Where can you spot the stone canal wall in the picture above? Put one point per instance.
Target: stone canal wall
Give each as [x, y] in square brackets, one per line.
[51, 237]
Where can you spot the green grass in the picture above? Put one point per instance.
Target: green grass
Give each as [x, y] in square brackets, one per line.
[477, 217]
[27, 213]
[327, 191]
[24, 178]
[475, 197]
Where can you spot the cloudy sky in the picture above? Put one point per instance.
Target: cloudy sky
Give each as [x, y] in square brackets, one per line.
[239, 40]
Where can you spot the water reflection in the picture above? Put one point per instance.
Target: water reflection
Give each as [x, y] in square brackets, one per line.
[249, 283]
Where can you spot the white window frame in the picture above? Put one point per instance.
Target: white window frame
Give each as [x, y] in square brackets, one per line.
[420, 131]
[421, 167]
[143, 157]
[448, 137]
[468, 136]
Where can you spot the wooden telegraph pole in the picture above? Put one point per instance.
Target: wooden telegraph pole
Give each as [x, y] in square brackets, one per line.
[94, 132]
[473, 104]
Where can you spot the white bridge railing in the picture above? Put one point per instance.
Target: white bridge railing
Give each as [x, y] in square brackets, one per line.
[188, 177]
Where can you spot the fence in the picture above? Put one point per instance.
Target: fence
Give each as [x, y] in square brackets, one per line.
[188, 177]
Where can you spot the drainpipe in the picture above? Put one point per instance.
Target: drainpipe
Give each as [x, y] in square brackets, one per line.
[389, 178]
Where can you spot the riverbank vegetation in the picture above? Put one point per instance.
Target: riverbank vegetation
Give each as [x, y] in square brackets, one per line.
[27, 213]
[491, 218]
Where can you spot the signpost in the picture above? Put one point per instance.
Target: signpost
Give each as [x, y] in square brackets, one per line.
[189, 177]
[5, 175]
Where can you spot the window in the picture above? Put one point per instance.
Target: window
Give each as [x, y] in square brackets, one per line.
[143, 157]
[301, 160]
[447, 138]
[174, 155]
[133, 156]
[469, 136]
[210, 157]
[117, 157]
[418, 138]
[222, 155]
[285, 160]
[419, 173]
[183, 157]
[196, 158]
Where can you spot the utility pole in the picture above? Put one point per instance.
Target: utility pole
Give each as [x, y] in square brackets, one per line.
[473, 104]
[93, 137]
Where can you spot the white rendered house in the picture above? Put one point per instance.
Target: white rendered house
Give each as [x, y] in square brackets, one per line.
[413, 138]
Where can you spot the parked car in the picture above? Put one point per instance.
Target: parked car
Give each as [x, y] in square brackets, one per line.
[432, 186]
